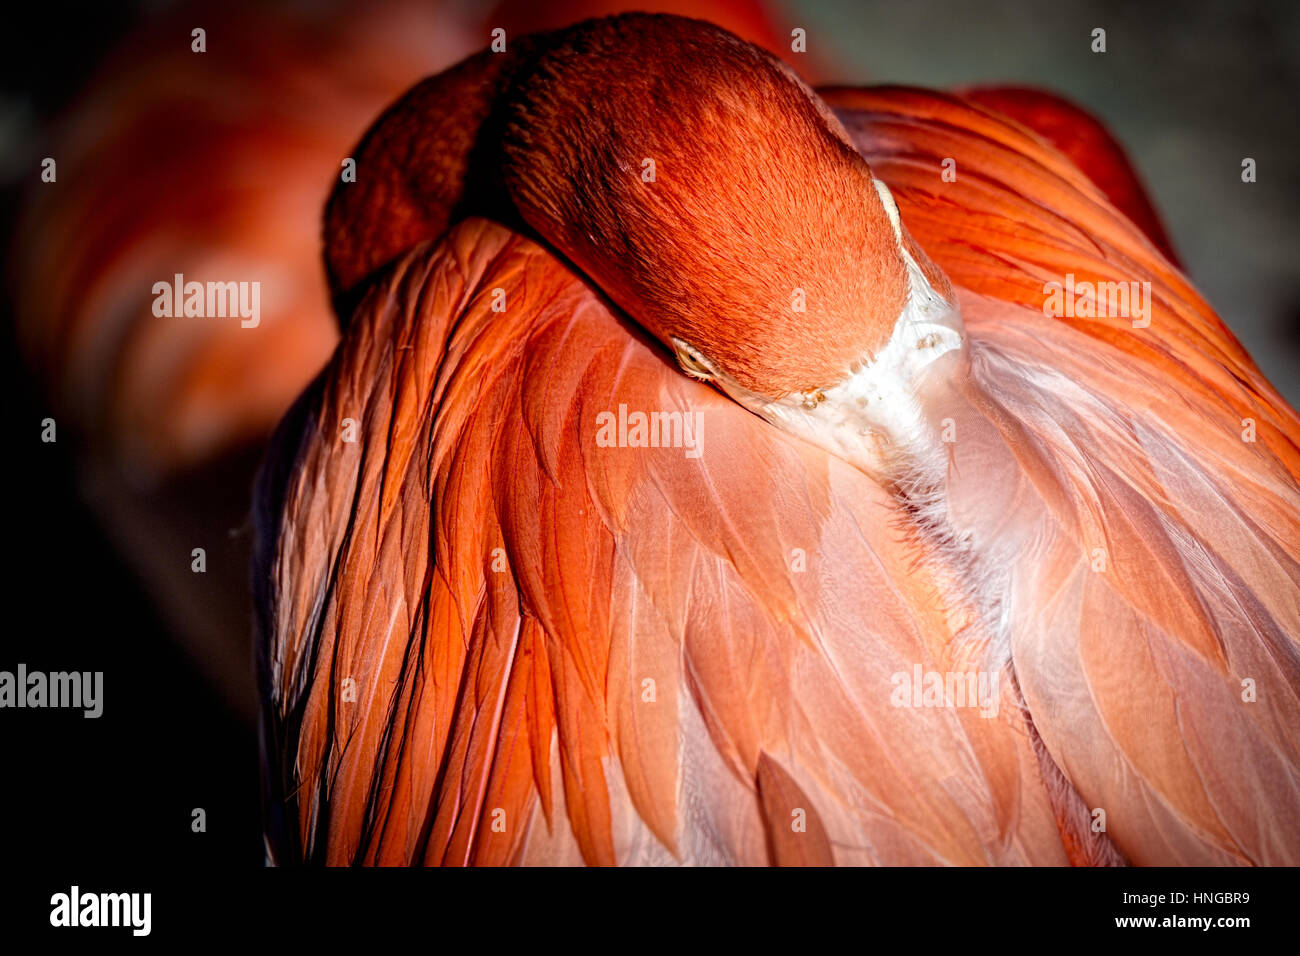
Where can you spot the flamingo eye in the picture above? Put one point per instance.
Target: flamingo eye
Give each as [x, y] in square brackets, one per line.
[693, 363]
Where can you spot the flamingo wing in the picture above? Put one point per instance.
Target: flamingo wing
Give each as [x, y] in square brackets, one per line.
[1140, 484]
[490, 638]
[1088, 144]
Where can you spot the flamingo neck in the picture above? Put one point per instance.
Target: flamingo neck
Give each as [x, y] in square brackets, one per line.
[875, 417]
[895, 416]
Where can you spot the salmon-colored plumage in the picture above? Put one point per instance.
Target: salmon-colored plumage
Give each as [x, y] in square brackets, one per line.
[1087, 143]
[487, 637]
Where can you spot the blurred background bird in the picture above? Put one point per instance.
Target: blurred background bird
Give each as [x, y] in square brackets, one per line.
[170, 419]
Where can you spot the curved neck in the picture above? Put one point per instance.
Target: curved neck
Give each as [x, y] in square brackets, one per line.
[691, 176]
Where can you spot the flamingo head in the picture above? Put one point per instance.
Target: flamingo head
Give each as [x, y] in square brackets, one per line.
[714, 197]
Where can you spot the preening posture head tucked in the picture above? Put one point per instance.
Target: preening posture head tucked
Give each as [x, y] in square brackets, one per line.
[490, 634]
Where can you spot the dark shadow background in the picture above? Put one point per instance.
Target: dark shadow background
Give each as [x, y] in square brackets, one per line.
[1189, 88]
[117, 790]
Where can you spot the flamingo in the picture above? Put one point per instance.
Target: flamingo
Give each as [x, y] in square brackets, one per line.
[487, 636]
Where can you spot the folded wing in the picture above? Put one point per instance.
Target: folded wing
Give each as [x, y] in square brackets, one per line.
[494, 634]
